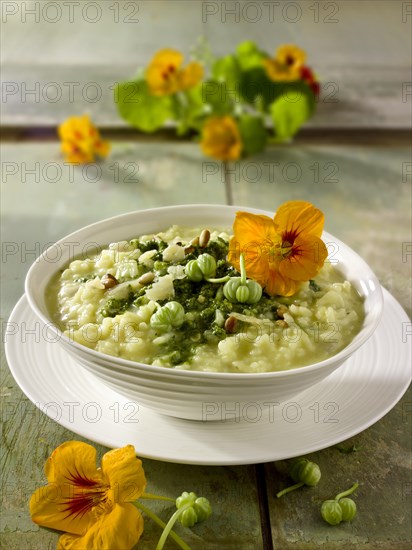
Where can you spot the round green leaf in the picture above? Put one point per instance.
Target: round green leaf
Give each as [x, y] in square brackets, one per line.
[219, 97]
[254, 134]
[227, 69]
[289, 112]
[249, 55]
[141, 109]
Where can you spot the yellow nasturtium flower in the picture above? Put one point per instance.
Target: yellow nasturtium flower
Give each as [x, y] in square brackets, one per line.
[287, 64]
[81, 141]
[221, 138]
[91, 505]
[281, 253]
[165, 74]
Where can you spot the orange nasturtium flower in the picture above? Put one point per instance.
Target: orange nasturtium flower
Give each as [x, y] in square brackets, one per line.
[81, 141]
[221, 138]
[92, 506]
[286, 65]
[281, 253]
[166, 76]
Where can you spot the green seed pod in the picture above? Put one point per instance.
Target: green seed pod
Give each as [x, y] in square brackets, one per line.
[230, 288]
[255, 291]
[193, 271]
[188, 518]
[309, 473]
[242, 294]
[207, 265]
[295, 466]
[167, 317]
[249, 292]
[199, 511]
[331, 512]
[185, 498]
[203, 508]
[303, 472]
[348, 507]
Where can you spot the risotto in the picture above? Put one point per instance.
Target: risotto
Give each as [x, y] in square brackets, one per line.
[162, 300]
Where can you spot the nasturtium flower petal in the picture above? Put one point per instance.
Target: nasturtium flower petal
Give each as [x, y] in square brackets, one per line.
[254, 236]
[165, 75]
[118, 530]
[281, 253]
[278, 285]
[124, 471]
[291, 55]
[75, 485]
[255, 259]
[191, 75]
[250, 228]
[49, 508]
[296, 217]
[280, 73]
[80, 140]
[221, 138]
[162, 72]
[167, 56]
[70, 459]
[90, 504]
[287, 64]
[308, 254]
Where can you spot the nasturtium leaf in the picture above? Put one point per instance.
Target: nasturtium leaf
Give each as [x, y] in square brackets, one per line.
[227, 70]
[254, 134]
[141, 109]
[249, 56]
[290, 110]
[195, 101]
[255, 87]
[219, 99]
[191, 110]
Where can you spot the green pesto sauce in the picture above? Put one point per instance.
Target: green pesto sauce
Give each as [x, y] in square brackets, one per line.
[206, 308]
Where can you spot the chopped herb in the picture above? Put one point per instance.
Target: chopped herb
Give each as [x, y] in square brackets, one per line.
[153, 244]
[114, 306]
[218, 248]
[160, 267]
[314, 286]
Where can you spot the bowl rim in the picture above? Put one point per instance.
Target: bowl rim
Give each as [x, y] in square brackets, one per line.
[339, 357]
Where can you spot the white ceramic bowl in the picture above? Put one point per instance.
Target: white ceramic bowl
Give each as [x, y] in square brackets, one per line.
[181, 393]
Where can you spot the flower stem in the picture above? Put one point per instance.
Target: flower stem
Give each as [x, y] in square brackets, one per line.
[289, 489]
[156, 497]
[221, 280]
[242, 270]
[348, 492]
[228, 183]
[162, 524]
[170, 524]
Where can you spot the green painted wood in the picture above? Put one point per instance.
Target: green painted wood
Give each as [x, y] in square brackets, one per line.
[351, 96]
[382, 467]
[59, 61]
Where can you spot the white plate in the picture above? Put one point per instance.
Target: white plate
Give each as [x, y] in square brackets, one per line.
[350, 400]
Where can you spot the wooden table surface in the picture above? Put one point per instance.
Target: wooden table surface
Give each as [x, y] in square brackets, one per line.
[353, 161]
